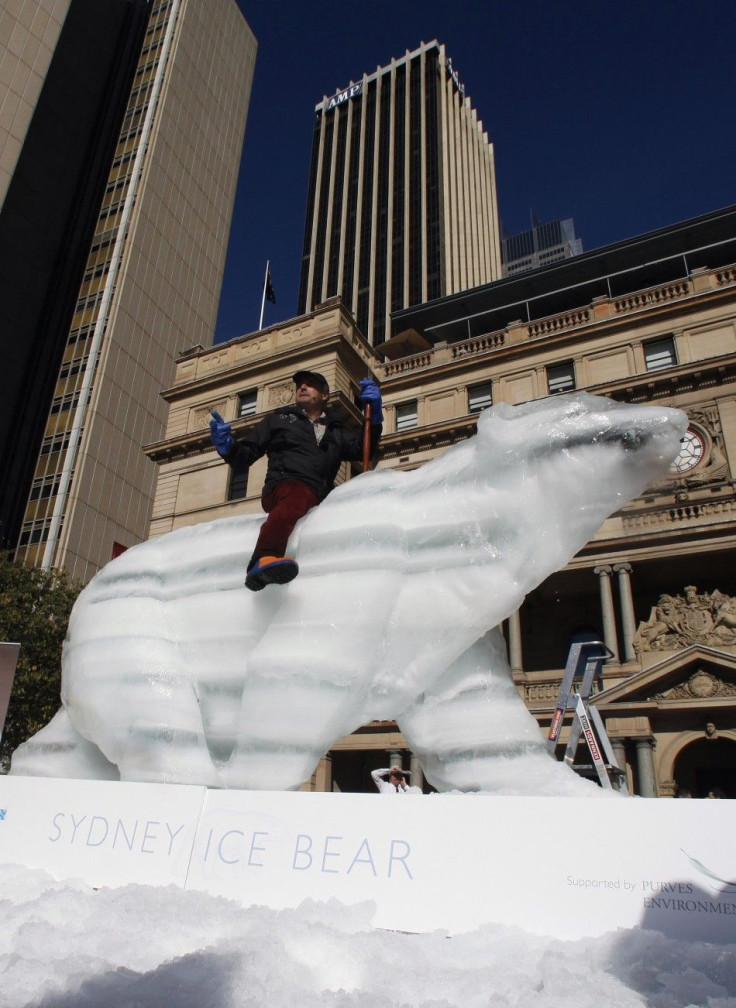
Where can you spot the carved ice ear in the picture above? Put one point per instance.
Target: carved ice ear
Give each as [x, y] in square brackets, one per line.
[489, 421]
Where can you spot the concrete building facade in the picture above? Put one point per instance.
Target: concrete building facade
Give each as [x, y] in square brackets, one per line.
[651, 320]
[402, 193]
[148, 205]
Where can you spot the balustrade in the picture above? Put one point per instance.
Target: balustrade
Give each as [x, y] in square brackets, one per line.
[660, 519]
[542, 694]
[404, 364]
[556, 323]
[654, 295]
[553, 324]
[478, 344]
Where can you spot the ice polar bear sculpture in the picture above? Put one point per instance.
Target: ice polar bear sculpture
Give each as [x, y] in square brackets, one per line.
[176, 673]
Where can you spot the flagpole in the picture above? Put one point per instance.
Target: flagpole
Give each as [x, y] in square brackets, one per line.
[263, 299]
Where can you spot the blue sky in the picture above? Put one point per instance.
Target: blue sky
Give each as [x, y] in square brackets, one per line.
[617, 114]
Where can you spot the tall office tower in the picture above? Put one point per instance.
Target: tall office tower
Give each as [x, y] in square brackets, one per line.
[119, 157]
[540, 245]
[402, 193]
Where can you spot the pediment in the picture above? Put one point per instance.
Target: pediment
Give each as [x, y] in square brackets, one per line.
[697, 674]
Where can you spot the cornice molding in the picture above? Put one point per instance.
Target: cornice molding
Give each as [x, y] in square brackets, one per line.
[692, 377]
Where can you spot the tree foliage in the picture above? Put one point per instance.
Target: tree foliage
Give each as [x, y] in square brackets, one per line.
[34, 612]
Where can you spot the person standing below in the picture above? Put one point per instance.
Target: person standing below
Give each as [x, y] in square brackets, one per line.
[305, 445]
[393, 780]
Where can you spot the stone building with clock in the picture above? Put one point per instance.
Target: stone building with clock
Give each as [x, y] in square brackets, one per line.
[652, 319]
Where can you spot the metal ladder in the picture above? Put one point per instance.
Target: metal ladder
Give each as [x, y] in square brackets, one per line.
[584, 663]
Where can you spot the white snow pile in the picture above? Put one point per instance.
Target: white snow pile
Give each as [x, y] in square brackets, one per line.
[64, 945]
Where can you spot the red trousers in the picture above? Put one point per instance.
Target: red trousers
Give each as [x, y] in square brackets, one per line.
[285, 505]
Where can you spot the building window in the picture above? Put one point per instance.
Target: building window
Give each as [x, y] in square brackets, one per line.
[34, 532]
[406, 416]
[660, 353]
[62, 403]
[247, 404]
[72, 367]
[521, 264]
[46, 486]
[238, 485]
[54, 443]
[480, 397]
[561, 377]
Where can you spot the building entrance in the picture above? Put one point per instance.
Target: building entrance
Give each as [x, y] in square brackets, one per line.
[351, 770]
[707, 768]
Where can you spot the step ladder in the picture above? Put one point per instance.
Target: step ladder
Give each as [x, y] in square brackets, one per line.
[582, 671]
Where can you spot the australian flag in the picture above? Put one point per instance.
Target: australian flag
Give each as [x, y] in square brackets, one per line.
[270, 295]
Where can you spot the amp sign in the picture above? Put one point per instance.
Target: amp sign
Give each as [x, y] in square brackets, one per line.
[455, 79]
[343, 96]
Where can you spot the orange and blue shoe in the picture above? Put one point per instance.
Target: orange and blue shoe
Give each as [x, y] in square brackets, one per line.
[271, 570]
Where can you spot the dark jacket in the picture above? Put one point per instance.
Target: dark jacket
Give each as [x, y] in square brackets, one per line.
[287, 437]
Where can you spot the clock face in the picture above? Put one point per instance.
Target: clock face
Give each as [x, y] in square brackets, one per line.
[691, 452]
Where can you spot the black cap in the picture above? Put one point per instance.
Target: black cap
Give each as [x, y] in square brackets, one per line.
[314, 379]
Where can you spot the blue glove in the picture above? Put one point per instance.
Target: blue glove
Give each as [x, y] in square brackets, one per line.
[370, 393]
[221, 434]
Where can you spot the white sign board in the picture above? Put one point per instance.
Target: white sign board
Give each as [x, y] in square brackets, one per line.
[566, 867]
[8, 662]
[107, 833]
[557, 866]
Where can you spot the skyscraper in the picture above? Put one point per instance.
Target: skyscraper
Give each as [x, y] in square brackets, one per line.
[122, 149]
[402, 193]
[540, 245]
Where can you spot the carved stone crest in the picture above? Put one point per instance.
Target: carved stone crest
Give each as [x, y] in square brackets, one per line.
[677, 621]
[200, 417]
[281, 395]
[701, 685]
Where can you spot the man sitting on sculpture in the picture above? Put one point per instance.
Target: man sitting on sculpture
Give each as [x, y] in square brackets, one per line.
[305, 444]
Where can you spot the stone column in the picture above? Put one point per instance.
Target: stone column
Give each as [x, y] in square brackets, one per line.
[609, 619]
[619, 753]
[417, 777]
[515, 656]
[645, 767]
[323, 774]
[395, 758]
[628, 619]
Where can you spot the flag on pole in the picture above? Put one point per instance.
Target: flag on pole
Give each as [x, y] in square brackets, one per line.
[268, 292]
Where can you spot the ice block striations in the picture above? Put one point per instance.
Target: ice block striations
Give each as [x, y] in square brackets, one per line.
[173, 672]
